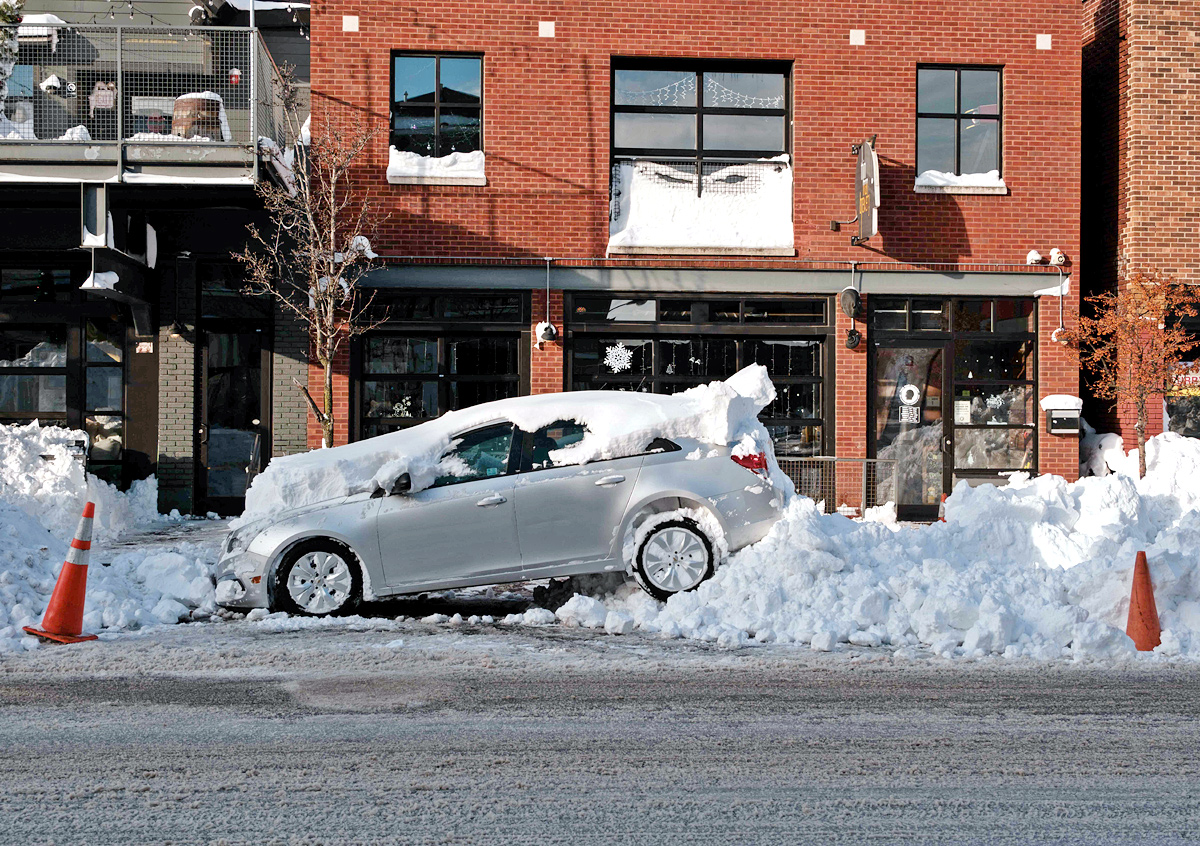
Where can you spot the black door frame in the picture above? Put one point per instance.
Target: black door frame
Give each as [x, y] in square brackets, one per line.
[219, 504]
[917, 513]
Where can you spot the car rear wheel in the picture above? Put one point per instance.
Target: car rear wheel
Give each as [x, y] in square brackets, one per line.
[675, 556]
[317, 578]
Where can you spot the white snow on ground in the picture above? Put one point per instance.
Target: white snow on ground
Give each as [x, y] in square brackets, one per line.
[742, 206]
[43, 489]
[1040, 568]
[618, 423]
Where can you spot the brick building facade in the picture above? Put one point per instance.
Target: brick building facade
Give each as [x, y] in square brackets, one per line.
[1142, 184]
[614, 135]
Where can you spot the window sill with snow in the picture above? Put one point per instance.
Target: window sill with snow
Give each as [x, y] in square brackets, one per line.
[738, 208]
[405, 168]
[938, 182]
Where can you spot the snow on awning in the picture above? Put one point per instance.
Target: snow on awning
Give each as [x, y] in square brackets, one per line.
[742, 207]
[42, 28]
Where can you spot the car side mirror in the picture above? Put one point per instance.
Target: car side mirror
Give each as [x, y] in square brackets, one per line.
[402, 485]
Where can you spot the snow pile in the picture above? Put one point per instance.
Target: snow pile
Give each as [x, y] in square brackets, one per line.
[76, 133]
[464, 166]
[618, 423]
[742, 206]
[1040, 568]
[941, 179]
[42, 492]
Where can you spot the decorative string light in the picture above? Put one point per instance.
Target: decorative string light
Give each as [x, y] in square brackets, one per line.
[682, 92]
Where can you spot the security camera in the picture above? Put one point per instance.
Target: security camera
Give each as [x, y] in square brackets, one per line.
[1033, 257]
[1057, 256]
[545, 331]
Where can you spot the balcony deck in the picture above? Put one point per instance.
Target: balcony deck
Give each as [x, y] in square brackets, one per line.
[168, 105]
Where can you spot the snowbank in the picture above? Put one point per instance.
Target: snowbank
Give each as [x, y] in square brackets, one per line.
[469, 167]
[742, 206]
[42, 492]
[1040, 568]
[619, 423]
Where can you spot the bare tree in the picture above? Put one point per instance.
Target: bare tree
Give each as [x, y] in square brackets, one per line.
[313, 254]
[1134, 344]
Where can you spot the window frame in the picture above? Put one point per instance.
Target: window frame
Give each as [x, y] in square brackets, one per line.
[958, 115]
[436, 103]
[699, 67]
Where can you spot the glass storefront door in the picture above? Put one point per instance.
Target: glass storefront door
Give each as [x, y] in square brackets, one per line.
[909, 425]
[232, 434]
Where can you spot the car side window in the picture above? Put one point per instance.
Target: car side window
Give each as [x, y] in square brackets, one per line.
[480, 454]
[556, 436]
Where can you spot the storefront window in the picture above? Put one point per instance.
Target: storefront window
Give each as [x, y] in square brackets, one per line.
[437, 353]
[33, 381]
[623, 343]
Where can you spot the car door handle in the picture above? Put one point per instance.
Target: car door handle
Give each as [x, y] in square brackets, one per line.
[489, 501]
[610, 480]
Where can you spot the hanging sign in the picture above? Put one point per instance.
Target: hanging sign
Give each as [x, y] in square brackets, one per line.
[867, 185]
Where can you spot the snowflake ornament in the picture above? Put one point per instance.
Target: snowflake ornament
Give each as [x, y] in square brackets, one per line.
[618, 358]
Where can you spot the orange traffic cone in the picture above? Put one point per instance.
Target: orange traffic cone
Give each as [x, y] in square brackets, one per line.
[63, 621]
[1143, 625]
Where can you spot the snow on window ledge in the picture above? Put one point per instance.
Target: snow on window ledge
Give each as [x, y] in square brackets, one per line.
[742, 208]
[937, 182]
[405, 168]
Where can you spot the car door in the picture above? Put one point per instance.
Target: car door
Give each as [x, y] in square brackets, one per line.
[462, 529]
[567, 516]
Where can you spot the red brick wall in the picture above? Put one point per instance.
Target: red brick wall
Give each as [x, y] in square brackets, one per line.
[546, 134]
[546, 364]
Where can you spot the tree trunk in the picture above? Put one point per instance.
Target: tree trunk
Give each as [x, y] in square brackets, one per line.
[1141, 437]
[327, 404]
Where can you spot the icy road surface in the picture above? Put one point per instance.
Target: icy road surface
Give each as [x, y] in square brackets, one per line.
[234, 733]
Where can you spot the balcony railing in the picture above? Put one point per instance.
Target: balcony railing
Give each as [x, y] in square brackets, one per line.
[138, 103]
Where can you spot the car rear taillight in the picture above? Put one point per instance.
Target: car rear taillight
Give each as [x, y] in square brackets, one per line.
[755, 463]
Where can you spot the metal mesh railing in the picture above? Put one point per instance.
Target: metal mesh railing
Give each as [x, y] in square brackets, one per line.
[843, 484]
[147, 85]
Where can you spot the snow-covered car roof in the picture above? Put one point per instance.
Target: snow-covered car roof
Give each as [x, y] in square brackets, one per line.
[617, 423]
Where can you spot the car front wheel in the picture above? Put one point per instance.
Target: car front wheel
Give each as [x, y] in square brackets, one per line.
[317, 578]
[675, 556]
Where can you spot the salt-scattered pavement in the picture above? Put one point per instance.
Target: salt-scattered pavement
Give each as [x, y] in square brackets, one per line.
[240, 732]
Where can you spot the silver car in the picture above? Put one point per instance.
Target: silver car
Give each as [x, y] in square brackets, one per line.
[666, 515]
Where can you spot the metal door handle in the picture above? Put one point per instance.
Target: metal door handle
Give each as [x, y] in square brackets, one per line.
[489, 501]
[610, 480]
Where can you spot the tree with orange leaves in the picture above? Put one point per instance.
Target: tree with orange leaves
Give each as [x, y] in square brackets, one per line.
[1134, 343]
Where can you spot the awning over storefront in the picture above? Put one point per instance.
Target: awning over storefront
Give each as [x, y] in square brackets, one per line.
[698, 280]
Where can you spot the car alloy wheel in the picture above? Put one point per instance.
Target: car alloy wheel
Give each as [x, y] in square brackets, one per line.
[318, 579]
[675, 556]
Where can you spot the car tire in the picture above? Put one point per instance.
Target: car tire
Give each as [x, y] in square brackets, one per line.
[675, 557]
[316, 578]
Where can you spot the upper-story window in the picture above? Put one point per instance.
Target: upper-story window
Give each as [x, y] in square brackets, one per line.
[437, 103]
[704, 110]
[700, 157]
[959, 119]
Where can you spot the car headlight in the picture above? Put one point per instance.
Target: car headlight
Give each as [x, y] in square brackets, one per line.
[239, 540]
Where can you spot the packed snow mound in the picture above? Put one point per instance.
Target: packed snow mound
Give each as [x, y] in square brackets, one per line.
[40, 474]
[43, 489]
[1038, 568]
[618, 424]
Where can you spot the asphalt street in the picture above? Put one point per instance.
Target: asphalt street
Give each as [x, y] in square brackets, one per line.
[417, 733]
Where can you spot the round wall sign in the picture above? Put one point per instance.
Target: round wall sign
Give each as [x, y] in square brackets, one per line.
[909, 394]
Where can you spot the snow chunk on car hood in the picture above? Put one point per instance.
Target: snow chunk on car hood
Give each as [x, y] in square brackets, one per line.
[618, 423]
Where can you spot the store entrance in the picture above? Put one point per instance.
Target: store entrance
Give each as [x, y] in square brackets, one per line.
[909, 428]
